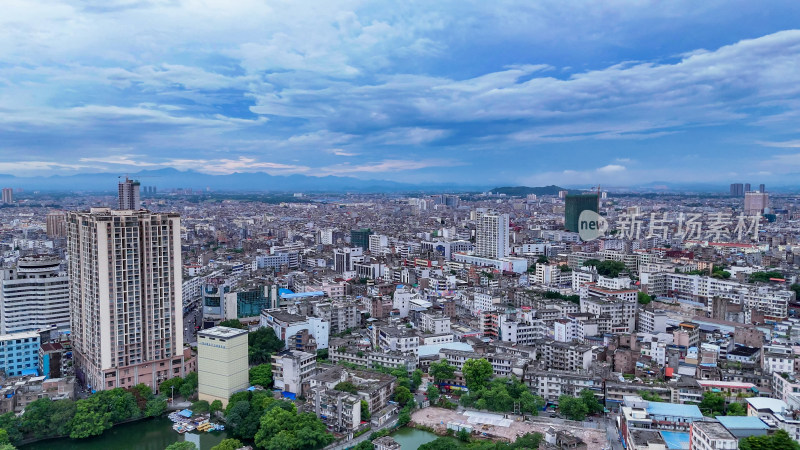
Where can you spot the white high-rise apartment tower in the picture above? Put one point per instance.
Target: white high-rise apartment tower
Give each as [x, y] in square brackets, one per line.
[491, 236]
[126, 297]
[129, 194]
[34, 295]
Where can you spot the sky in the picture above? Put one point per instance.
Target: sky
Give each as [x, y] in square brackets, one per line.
[618, 93]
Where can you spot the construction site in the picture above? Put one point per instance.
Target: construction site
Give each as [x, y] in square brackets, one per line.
[499, 426]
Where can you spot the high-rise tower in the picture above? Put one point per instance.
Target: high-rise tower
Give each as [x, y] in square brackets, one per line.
[126, 297]
[129, 195]
[491, 236]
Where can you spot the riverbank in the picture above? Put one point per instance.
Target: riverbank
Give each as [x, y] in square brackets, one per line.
[145, 434]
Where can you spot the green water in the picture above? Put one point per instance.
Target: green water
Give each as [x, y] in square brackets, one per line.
[150, 434]
[411, 438]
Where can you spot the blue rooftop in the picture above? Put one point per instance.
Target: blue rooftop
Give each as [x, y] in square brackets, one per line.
[676, 440]
[302, 295]
[742, 422]
[674, 410]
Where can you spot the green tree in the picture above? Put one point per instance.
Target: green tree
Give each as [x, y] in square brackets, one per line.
[4, 440]
[416, 378]
[181, 445]
[463, 435]
[796, 288]
[477, 373]
[346, 386]
[441, 371]
[712, 404]
[11, 423]
[736, 409]
[261, 375]
[156, 406]
[228, 444]
[440, 444]
[404, 417]
[644, 299]
[649, 396]
[232, 323]
[189, 386]
[262, 343]
[572, 408]
[780, 440]
[89, 420]
[364, 445]
[215, 406]
[433, 393]
[403, 396]
[166, 386]
[530, 440]
[530, 403]
[200, 407]
[590, 400]
[365, 416]
[283, 429]
[241, 420]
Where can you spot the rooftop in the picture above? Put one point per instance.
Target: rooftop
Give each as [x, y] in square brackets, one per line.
[742, 422]
[222, 332]
[674, 410]
[714, 430]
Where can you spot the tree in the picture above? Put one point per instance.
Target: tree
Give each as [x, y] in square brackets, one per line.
[261, 375]
[346, 386]
[796, 288]
[572, 408]
[530, 440]
[477, 372]
[589, 399]
[11, 423]
[440, 444]
[644, 298]
[166, 386]
[780, 440]
[45, 417]
[4, 437]
[189, 385]
[463, 435]
[283, 429]
[156, 406]
[404, 417]
[201, 407]
[214, 407]
[416, 378]
[530, 403]
[240, 420]
[232, 323]
[228, 444]
[736, 409]
[712, 404]
[649, 396]
[441, 371]
[363, 445]
[88, 420]
[433, 393]
[182, 445]
[262, 343]
[403, 396]
[365, 416]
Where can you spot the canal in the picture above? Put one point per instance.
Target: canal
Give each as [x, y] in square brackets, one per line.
[411, 438]
[148, 434]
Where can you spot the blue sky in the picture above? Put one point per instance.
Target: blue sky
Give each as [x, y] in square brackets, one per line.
[530, 92]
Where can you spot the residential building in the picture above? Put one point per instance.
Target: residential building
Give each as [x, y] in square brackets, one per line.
[125, 297]
[34, 295]
[287, 326]
[291, 370]
[711, 436]
[19, 354]
[129, 195]
[491, 236]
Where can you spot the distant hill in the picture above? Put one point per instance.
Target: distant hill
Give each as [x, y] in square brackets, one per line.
[522, 191]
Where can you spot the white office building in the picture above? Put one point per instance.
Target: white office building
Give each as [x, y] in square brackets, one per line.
[34, 295]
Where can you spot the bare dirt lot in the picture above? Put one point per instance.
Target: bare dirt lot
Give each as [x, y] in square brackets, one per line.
[437, 418]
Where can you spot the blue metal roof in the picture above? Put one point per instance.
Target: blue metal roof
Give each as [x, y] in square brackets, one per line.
[433, 349]
[742, 422]
[302, 295]
[676, 440]
[673, 410]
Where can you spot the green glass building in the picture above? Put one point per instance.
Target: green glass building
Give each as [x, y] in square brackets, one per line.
[574, 205]
[360, 238]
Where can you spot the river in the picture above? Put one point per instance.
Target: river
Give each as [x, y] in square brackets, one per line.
[411, 438]
[148, 434]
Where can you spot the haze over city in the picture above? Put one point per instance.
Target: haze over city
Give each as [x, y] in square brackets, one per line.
[516, 93]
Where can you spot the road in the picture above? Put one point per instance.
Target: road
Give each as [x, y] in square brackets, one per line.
[612, 435]
[191, 319]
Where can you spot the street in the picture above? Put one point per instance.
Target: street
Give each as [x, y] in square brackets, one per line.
[191, 319]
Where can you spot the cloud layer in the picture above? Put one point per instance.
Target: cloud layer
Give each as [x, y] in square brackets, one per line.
[550, 92]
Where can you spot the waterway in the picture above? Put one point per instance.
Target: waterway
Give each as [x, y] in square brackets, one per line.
[411, 438]
[148, 434]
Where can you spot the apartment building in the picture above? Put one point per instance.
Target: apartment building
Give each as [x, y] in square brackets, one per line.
[291, 370]
[34, 295]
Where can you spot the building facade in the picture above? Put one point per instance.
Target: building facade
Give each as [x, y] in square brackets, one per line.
[34, 295]
[222, 368]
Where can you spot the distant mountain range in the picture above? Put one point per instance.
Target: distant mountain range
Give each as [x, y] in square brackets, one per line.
[522, 191]
[165, 179]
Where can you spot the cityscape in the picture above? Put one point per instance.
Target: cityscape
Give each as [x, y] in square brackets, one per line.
[271, 225]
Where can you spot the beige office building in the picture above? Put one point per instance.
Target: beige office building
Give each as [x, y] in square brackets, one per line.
[126, 301]
[221, 363]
